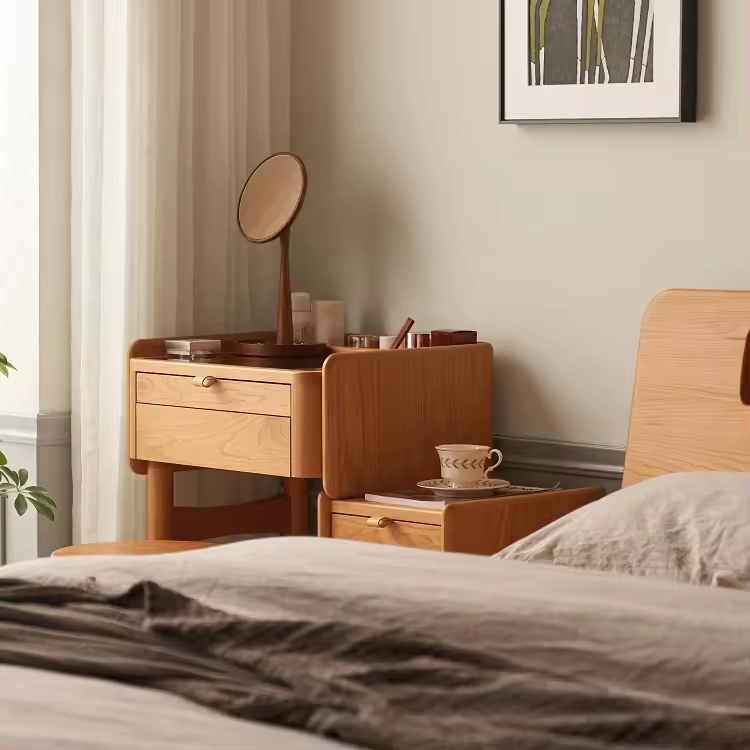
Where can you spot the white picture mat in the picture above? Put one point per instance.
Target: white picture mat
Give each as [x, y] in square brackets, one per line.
[611, 101]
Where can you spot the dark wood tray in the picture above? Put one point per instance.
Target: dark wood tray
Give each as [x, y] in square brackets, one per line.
[260, 348]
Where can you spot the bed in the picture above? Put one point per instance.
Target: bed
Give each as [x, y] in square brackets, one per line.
[451, 650]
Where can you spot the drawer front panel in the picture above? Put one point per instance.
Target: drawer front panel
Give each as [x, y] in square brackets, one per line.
[213, 439]
[368, 509]
[222, 395]
[399, 533]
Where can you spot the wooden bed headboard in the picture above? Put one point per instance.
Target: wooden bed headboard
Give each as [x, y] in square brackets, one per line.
[687, 413]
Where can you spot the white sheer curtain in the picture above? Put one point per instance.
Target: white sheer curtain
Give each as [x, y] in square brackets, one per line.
[173, 102]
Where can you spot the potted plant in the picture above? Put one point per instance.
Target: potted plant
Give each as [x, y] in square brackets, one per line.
[13, 484]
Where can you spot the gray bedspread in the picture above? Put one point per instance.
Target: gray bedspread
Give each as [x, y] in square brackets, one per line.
[506, 672]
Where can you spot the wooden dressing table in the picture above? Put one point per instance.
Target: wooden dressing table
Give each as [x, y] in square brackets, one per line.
[366, 420]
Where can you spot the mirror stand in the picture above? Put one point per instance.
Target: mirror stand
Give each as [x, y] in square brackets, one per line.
[284, 324]
[271, 199]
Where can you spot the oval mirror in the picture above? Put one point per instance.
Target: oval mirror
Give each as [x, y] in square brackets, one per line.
[272, 197]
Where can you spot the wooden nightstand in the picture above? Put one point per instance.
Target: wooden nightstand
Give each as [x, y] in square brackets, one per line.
[479, 527]
[233, 417]
[366, 418]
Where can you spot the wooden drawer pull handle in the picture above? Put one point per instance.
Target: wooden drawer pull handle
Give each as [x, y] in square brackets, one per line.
[205, 382]
[379, 523]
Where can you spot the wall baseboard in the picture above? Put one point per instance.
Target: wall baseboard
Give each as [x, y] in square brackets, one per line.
[552, 456]
[39, 429]
[545, 463]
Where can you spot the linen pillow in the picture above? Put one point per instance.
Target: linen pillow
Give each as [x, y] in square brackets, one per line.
[690, 527]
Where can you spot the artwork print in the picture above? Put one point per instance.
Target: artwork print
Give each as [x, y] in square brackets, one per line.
[593, 60]
[591, 42]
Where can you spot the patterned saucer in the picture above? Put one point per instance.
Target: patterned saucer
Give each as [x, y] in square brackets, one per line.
[482, 488]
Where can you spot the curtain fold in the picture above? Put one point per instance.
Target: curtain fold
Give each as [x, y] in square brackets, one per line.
[173, 104]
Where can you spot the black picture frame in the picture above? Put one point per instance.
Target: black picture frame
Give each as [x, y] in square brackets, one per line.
[688, 109]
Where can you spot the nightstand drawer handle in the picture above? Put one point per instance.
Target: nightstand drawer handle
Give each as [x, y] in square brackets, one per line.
[379, 523]
[205, 382]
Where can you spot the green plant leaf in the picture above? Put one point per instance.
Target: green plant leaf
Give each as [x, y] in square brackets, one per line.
[7, 487]
[3, 460]
[34, 490]
[23, 477]
[11, 475]
[4, 361]
[40, 497]
[21, 505]
[42, 509]
[4, 369]
[6, 472]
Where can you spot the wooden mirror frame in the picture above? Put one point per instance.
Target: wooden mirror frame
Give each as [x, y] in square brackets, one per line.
[284, 346]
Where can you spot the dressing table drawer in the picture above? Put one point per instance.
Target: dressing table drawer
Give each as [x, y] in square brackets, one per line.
[220, 394]
[211, 439]
[385, 530]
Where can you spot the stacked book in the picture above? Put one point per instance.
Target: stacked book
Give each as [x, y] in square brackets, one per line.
[423, 499]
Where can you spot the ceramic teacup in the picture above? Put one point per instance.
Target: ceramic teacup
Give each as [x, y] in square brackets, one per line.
[465, 465]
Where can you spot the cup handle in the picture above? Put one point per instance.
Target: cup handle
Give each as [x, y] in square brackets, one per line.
[496, 464]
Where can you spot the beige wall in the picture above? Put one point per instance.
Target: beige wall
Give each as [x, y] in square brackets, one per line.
[550, 240]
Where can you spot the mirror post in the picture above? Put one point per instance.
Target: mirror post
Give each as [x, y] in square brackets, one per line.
[284, 326]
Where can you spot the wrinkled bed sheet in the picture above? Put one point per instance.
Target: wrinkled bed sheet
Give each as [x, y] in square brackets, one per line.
[667, 646]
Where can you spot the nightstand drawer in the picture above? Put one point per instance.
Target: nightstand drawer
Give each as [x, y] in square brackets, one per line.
[477, 527]
[218, 394]
[213, 439]
[401, 533]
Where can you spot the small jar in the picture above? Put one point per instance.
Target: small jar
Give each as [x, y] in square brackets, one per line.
[362, 341]
[386, 342]
[302, 318]
[417, 340]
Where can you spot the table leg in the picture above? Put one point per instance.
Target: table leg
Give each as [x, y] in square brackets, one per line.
[324, 515]
[296, 491]
[160, 501]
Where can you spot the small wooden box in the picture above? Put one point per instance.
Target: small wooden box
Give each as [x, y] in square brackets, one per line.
[453, 338]
[479, 527]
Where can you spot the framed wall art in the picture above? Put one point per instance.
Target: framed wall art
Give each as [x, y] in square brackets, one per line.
[598, 60]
